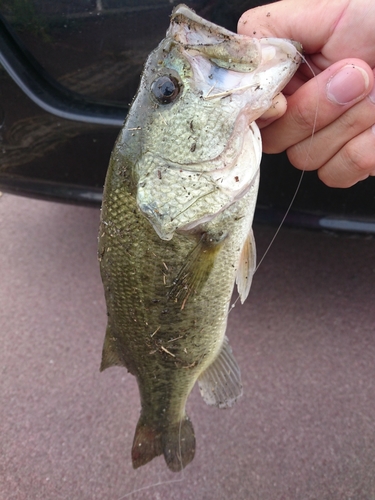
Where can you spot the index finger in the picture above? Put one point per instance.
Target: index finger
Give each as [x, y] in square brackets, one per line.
[295, 20]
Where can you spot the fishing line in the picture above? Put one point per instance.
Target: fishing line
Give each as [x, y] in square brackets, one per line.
[302, 173]
[299, 181]
[160, 483]
[148, 487]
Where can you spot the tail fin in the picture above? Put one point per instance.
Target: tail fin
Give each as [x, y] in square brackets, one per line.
[146, 445]
[179, 445]
[176, 442]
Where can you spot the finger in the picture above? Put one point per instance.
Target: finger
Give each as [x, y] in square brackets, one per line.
[318, 103]
[353, 163]
[277, 109]
[314, 152]
[293, 19]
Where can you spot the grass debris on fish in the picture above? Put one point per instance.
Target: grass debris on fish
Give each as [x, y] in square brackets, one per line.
[177, 212]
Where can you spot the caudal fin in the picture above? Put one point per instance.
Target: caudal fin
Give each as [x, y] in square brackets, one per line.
[146, 445]
[176, 442]
[179, 445]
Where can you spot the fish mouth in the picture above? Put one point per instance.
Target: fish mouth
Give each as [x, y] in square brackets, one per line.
[205, 33]
[226, 63]
[222, 46]
[214, 78]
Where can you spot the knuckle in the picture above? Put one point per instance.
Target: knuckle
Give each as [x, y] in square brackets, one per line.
[300, 158]
[331, 178]
[349, 120]
[328, 179]
[357, 160]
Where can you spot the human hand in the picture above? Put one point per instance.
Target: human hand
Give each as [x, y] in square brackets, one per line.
[339, 102]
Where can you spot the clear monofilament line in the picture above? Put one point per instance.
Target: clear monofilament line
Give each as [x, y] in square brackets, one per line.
[301, 176]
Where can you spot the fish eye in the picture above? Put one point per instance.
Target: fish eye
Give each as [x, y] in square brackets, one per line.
[165, 89]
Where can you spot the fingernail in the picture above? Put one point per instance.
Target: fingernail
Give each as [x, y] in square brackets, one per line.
[348, 84]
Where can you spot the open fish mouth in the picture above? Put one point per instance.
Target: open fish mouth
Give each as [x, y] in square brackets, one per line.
[225, 63]
[226, 49]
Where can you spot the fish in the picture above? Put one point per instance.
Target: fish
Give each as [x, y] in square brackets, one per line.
[176, 222]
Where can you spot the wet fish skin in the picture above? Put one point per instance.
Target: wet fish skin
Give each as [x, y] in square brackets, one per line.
[176, 219]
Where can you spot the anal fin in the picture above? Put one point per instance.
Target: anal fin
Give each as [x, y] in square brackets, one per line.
[110, 356]
[220, 384]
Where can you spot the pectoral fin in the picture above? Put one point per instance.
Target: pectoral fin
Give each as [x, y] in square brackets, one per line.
[246, 267]
[197, 268]
[220, 384]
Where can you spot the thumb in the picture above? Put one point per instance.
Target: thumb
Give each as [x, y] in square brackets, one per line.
[321, 102]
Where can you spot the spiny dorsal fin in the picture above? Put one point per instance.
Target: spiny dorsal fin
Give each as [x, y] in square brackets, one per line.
[246, 267]
[220, 384]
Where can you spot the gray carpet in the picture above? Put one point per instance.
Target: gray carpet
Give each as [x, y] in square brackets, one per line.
[305, 341]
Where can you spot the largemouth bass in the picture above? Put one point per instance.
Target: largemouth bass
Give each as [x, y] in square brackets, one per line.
[176, 221]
